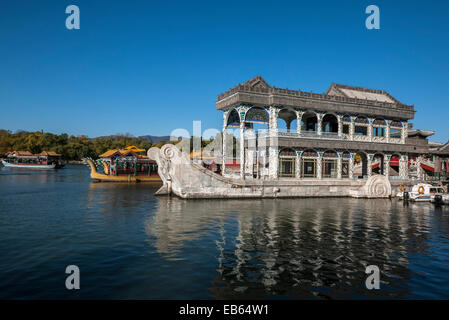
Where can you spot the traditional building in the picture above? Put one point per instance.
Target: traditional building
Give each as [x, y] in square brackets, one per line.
[346, 133]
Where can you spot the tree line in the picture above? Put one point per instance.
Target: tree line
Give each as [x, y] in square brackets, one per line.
[70, 147]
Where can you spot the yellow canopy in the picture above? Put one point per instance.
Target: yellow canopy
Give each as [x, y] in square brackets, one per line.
[122, 152]
[134, 148]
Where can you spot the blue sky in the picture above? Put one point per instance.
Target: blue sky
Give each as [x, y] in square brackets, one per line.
[148, 67]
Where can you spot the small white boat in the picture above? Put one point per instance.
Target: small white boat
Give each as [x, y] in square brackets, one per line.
[422, 192]
[28, 165]
[440, 199]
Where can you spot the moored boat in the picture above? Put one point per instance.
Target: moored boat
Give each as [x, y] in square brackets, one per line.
[26, 160]
[421, 192]
[124, 165]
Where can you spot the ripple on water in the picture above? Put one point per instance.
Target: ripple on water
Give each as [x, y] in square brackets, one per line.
[130, 244]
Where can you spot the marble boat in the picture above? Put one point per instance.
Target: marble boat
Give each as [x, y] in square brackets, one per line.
[189, 180]
[349, 141]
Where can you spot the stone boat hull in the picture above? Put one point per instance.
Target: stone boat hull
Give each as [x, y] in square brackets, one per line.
[188, 180]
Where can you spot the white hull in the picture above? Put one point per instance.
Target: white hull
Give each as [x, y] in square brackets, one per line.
[444, 199]
[427, 193]
[189, 180]
[28, 166]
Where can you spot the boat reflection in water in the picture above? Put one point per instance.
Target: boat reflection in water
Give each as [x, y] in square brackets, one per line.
[303, 248]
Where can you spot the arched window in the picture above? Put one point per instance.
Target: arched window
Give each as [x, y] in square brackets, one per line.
[257, 115]
[394, 165]
[329, 124]
[377, 165]
[395, 129]
[287, 152]
[360, 165]
[309, 121]
[379, 126]
[346, 124]
[330, 154]
[361, 126]
[287, 163]
[309, 164]
[329, 164]
[309, 153]
[233, 119]
[396, 124]
[289, 120]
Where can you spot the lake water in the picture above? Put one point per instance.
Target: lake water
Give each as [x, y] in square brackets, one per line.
[129, 244]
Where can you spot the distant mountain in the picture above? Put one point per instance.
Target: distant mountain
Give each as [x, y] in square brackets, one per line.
[155, 139]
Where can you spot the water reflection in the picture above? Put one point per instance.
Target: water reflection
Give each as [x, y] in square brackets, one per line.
[115, 196]
[300, 248]
[133, 245]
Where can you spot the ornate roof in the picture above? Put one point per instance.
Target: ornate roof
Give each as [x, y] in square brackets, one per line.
[49, 153]
[20, 153]
[440, 148]
[122, 153]
[360, 93]
[344, 98]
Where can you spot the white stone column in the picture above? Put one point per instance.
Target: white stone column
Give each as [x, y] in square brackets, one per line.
[403, 167]
[224, 149]
[351, 166]
[369, 165]
[297, 166]
[242, 150]
[387, 131]
[298, 121]
[273, 160]
[250, 152]
[387, 165]
[340, 125]
[263, 173]
[404, 131]
[273, 165]
[319, 173]
[249, 163]
[273, 123]
[370, 129]
[339, 165]
[419, 170]
[319, 123]
[351, 128]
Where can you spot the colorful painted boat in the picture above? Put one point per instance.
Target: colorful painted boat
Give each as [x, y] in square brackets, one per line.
[124, 165]
[26, 160]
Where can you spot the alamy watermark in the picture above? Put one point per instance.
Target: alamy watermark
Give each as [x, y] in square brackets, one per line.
[73, 20]
[373, 20]
[373, 280]
[73, 280]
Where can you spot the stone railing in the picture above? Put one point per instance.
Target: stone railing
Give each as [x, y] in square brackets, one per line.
[379, 139]
[320, 96]
[358, 137]
[305, 134]
[324, 135]
[395, 140]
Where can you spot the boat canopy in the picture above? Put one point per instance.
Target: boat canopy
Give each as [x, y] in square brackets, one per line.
[49, 154]
[129, 153]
